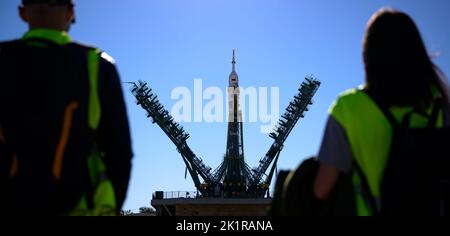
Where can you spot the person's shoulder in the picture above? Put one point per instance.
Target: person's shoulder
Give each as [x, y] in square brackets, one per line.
[83, 45]
[350, 94]
[103, 55]
[7, 42]
[348, 99]
[4, 44]
[10, 48]
[106, 57]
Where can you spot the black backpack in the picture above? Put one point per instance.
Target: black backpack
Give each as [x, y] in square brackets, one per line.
[416, 179]
[293, 194]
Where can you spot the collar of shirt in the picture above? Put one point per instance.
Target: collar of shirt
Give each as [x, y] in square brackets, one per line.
[56, 36]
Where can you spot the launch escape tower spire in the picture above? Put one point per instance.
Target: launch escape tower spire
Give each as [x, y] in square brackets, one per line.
[233, 178]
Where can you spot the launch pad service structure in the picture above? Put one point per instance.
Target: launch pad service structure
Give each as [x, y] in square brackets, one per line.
[233, 188]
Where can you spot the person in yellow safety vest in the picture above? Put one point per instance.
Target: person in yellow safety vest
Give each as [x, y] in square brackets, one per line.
[400, 73]
[65, 144]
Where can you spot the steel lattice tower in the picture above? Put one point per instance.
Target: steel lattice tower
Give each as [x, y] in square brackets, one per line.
[233, 178]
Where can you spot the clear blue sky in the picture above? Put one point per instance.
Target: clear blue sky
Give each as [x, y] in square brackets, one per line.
[170, 42]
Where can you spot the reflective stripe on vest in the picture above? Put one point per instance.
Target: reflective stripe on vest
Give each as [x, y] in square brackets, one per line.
[94, 100]
[104, 201]
[370, 135]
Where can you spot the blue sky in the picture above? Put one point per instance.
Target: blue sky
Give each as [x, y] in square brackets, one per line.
[169, 43]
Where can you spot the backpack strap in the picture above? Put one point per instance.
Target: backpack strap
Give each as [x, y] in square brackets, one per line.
[438, 105]
[384, 109]
[432, 119]
[365, 190]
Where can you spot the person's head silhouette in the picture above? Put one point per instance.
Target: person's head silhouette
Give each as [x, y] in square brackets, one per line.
[398, 68]
[49, 14]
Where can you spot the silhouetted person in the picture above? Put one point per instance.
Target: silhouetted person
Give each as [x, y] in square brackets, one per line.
[64, 136]
[402, 89]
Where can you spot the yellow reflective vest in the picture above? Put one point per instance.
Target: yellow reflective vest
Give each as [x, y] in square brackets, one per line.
[369, 135]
